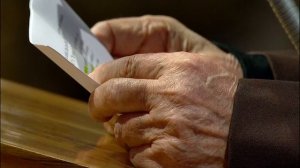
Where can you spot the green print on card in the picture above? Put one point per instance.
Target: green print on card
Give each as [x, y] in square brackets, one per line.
[88, 68]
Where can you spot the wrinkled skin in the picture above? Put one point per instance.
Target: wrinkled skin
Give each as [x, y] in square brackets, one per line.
[174, 108]
[149, 34]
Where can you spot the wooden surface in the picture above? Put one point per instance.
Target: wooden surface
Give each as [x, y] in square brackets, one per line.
[12, 157]
[52, 130]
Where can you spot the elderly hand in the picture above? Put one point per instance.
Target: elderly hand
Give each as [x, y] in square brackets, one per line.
[149, 34]
[175, 107]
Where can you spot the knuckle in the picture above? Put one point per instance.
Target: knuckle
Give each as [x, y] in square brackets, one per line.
[130, 67]
[175, 126]
[191, 61]
[131, 132]
[143, 94]
[118, 131]
[124, 134]
[155, 17]
[109, 95]
[148, 17]
[147, 95]
[165, 18]
[170, 19]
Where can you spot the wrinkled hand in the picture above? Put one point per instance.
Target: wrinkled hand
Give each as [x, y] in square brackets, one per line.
[149, 34]
[175, 107]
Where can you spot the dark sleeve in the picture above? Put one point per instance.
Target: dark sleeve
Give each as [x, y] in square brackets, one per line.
[254, 65]
[264, 129]
[284, 65]
[279, 65]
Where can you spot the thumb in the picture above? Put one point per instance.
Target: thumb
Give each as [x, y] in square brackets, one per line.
[104, 34]
[133, 35]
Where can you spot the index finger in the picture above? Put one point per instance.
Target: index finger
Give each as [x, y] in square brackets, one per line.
[121, 96]
[141, 66]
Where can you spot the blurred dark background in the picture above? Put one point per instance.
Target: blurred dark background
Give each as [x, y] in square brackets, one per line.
[248, 25]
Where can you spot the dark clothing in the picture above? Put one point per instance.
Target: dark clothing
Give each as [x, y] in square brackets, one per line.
[264, 129]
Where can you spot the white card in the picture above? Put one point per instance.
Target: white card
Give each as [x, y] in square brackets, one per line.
[57, 31]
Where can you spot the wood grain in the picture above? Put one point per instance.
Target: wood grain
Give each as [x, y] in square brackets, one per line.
[12, 157]
[38, 123]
